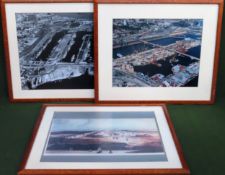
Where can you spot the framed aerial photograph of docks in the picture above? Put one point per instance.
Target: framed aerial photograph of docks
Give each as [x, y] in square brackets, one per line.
[49, 49]
[104, 139]
[167, 53]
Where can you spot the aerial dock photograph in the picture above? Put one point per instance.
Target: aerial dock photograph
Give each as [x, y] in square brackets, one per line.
[156, 52]
[55, 50]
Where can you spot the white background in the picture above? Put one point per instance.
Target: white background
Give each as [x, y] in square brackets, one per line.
[106, 14]
[42, 134]
[11, 9]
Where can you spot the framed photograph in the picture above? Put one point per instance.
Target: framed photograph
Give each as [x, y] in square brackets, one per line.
[157, 51]
[104, 139]
[49, 49]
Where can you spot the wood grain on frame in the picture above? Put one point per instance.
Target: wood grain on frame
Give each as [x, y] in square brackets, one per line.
[158, 1]
[46, 1]
[216, 56]
[182, 171]
[12, 99]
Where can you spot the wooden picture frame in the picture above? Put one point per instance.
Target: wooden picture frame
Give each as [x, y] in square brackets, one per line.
[46, 125]
[108, 83]
[44, 74]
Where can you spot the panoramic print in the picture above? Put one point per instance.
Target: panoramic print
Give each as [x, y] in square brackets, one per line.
[55, 50]
[105, 136]
[156, 52]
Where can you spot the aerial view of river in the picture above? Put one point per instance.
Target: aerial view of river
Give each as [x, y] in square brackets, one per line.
[47, 51]
[76, 46]
[135, 48]
[85, 81]
[128, 50]
[166, 65]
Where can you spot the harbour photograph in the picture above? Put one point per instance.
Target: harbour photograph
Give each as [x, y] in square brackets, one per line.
[156, 52]
[55, 50]
[103, 135]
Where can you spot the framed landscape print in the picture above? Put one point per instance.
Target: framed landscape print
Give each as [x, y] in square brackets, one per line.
[49, 49]
[157, 51]
[104, 139]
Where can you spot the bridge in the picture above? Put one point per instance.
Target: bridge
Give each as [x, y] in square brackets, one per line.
[172, 50]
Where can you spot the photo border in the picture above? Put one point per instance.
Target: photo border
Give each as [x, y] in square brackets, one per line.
[64, 153]
[220, 4]
[182, 171]
[12, 98]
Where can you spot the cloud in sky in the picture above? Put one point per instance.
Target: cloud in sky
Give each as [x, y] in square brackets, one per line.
[68, 124]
